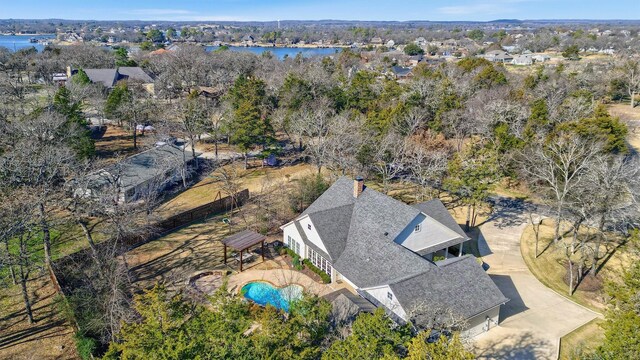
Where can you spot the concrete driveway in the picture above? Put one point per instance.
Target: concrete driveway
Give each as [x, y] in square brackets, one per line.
[532, 323]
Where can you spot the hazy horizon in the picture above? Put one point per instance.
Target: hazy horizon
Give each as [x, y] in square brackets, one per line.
[313, 10]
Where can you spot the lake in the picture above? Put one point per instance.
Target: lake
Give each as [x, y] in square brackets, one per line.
[282, 52]
[17, 42]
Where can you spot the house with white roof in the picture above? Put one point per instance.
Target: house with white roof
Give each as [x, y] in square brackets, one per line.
[385, 250]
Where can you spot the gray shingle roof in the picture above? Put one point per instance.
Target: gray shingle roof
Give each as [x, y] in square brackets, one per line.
[401, 71]
[343, 295]
[436, 209]
[142, 167]
[135, 73]
[108, 77]
[459, 284]
[359, 235]
[333, 227]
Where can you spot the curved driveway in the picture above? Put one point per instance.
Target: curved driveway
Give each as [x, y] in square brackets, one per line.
[535, 318]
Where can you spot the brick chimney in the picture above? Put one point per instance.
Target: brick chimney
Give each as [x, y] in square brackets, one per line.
[358, 186]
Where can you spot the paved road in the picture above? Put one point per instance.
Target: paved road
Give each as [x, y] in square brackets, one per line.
[532, 323]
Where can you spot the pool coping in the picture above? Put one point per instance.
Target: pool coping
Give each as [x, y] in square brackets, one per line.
[268, 282]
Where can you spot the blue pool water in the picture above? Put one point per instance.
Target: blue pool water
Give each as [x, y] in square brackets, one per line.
[263, 293]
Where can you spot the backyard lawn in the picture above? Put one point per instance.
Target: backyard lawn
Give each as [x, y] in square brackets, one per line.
[254, 179]
[51, 337]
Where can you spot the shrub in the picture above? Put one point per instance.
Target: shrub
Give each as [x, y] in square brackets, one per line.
[86, 346]
[296, 263]
[289, 252]
[323, 275]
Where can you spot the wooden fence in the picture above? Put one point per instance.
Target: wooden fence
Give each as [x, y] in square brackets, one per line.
[203, 211]
[162, 227]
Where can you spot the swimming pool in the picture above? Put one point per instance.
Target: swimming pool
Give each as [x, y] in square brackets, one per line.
[263, 293]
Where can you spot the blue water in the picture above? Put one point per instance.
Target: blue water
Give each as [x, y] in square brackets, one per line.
[17, 42]
[263, 293]
[281, 52]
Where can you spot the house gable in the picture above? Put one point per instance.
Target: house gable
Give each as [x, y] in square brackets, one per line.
[311, 234]
[425, 233]
[384, 295]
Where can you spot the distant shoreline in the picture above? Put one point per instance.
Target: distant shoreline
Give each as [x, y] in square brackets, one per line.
[10, 34]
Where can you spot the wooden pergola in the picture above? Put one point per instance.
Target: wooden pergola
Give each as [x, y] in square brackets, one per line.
[242, 241]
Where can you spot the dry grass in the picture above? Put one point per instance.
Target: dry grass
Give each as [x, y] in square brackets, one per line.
[117, 143]
[632, 118]
[624, 111]
[585, 338]
[254, 179]
[549, 267]
[175, 257]
[49, 338]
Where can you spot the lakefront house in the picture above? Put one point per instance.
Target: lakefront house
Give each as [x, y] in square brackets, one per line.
[407, 259]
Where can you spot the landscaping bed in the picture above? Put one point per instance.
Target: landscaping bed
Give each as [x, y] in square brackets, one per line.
[304, 267]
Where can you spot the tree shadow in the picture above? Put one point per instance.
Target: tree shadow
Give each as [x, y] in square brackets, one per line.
[32, 333]
[201, 249]
[508, 212]
[523, 346]
[515, 305]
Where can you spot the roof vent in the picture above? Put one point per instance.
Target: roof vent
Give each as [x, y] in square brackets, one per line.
[386, 233]
[358, 186]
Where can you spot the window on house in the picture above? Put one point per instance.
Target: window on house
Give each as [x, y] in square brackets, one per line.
[390, 296]
[309, 226]
[418, 228]
[319, 261]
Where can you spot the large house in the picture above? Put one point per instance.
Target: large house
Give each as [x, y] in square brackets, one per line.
[407, 259]
[110, 77]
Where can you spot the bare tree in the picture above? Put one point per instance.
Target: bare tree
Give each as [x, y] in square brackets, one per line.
[39, 158]
[18, 227]
[616, 179]
[389, 158]
[557, 167]
[315, 124]
[630, 71]
[426, 166]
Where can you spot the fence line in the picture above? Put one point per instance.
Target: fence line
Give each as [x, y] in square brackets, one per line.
[164, 226]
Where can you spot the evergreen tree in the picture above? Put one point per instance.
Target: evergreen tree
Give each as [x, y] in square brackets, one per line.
[602, 127]
[81, 78]
[81, 142]
[250, 124]
[622, 337]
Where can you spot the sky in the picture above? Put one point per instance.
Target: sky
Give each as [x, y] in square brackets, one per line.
[269, 10]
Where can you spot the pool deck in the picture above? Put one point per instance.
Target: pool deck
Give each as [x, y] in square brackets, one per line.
[282, 278]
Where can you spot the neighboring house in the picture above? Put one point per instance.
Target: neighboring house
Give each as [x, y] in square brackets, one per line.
[247, 40]
[415, 60]
[59, 79]
[522, 60]
[135, 176]
[499, 56]
[384, 248]
[401, 72]
[110, 77]
[541, 58]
